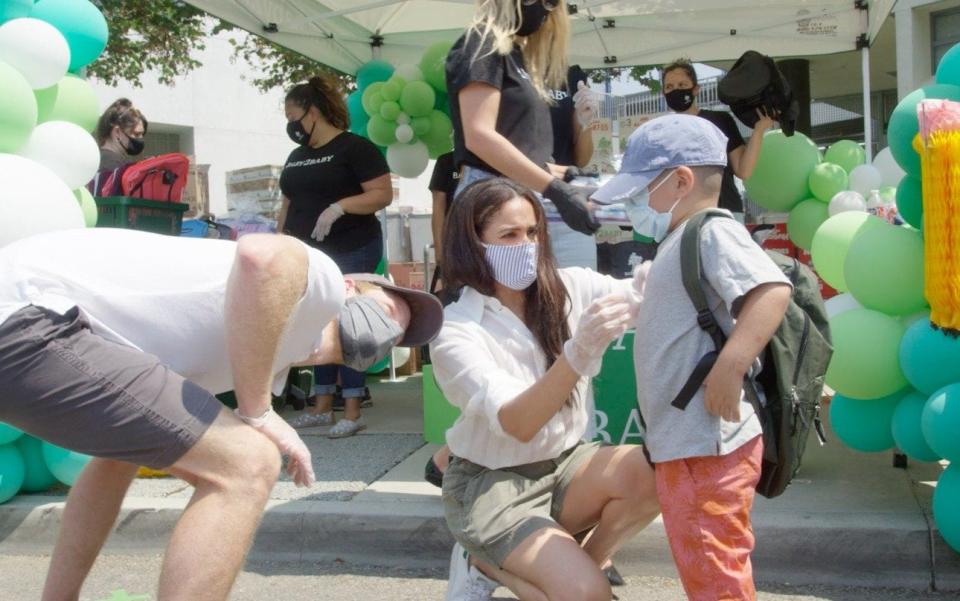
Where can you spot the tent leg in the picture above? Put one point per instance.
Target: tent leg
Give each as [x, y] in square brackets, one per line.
[867, 119]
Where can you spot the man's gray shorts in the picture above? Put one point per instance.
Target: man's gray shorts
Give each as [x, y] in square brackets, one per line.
[62, 383]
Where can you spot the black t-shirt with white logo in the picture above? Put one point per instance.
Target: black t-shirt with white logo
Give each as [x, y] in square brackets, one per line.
[523, 116]
[561, 116]
[445, 178]
[314, 178]
[730, 198]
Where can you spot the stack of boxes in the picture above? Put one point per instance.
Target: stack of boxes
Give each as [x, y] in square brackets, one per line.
[255, 190]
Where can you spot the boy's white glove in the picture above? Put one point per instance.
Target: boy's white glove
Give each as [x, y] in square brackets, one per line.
[586, 104]
[638, 287]
[600, 324]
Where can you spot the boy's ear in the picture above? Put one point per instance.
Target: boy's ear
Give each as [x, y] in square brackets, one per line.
[686, 180]
[351, 286]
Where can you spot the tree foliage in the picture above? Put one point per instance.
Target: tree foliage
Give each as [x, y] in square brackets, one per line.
[647, 75]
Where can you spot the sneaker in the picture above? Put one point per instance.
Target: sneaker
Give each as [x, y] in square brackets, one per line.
[347, 427]
[432, 473]
[311, 420]
[613, 576]
[467, 583]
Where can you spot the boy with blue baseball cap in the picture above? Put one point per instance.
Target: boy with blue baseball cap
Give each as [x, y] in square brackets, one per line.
[707, 455]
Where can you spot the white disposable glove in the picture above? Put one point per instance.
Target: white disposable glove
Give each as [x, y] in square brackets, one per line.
[289, 443]
[586, 104]
[325, 221]
[639, 284]
[600, 324]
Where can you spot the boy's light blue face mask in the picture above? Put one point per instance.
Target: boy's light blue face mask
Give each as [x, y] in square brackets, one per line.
[646, 220]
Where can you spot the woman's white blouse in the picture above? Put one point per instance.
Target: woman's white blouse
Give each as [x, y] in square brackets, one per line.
[485, 356]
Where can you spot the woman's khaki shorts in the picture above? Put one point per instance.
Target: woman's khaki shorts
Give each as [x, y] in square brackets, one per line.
[490, 512]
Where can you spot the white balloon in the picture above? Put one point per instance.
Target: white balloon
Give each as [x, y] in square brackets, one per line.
[890, 171]
[409, 72]
[864, 178]
[404, 133]
[408, 160]
[848, 200]
[36, 49]
[67, 149]
[841, 303]
[33, 200]
[401, 354]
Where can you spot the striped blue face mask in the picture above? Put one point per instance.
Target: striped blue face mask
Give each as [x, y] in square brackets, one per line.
[513, 265]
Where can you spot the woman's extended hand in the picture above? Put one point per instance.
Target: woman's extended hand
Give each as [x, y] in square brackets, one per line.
[604, 320]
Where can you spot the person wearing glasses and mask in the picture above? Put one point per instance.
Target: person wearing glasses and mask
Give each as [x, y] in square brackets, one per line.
[499, 76]
[333, 184]
[680, 90]
[120, 131]
[531, 505]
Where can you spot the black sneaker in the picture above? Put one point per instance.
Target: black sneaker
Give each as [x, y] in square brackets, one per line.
[432, 473]
[613, 576]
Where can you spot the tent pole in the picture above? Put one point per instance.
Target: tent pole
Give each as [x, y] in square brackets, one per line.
[867, 120]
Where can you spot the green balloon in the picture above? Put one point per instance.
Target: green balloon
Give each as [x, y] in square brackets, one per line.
[948, 71]
[940, 422]
[390, 111]
[417, 99]
[433, 65]
[930, 359]
[87, 205]
[804, 220]
[64, 464]
[832, 241]
[373, 72]
[18, 109]
[883, 270]
[442, 103]
[779, 179]
[946, 500]
[907, 432]
[12, 472]
[371, 98]
[888, 194]
[826, 179]
[14, 9]
[436, 150]
[865, 425]
[846, 153]
[441, 129]
[81, 23]
[904, 124]
[391, 91]
[381, 132]
[38, 477]
[72, 99]
[910, 200]
[8, 433]
[421, 126]
[398, 80]
[866, 346]
[355, 106]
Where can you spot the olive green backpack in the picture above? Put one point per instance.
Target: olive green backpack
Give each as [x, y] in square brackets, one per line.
[794, 361]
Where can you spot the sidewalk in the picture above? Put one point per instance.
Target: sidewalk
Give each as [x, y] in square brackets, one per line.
[849, 518]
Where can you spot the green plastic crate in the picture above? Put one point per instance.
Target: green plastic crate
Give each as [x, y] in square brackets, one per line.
[138, 214]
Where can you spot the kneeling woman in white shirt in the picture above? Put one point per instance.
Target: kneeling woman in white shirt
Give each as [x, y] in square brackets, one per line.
[516, 354]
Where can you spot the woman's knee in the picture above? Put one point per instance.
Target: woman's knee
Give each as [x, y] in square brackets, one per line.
[590, 586]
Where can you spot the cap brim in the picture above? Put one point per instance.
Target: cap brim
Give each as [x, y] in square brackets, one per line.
[623, 186]
[426, 312]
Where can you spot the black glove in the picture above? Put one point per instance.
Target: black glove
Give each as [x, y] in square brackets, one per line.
[571, 201]
[574, 172]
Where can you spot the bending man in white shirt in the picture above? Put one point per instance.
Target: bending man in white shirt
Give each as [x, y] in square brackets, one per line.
[515, 354]
[113, 344]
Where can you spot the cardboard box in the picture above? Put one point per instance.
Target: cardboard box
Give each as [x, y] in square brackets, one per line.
[408, 273]
[196, 193]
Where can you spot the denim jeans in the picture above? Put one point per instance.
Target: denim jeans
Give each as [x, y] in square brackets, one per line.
[363, 259]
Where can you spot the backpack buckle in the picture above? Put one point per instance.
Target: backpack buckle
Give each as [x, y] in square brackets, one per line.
[707, 321]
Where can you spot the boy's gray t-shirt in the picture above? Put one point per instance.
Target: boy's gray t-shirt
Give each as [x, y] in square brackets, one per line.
[669, 343]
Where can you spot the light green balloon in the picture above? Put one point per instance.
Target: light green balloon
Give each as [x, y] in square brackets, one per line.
[381, 132]
[826, 179]
[87, 205]
[845, 153]
[391, 91]
[433, 65]
[417, 99]
[780, 177]
[73, 100]
[18, 109]
[883, 269]
[832, 241]
[866, 354]
[390, 110]
[371, 98]
[441, 128]
[804, 220]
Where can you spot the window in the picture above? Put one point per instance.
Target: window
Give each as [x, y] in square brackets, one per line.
[944, 33]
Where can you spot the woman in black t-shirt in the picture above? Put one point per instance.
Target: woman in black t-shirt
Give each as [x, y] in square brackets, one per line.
[333, 184]
[680, 89]
[498, 77]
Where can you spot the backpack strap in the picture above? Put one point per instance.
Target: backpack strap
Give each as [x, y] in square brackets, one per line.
[692, 274]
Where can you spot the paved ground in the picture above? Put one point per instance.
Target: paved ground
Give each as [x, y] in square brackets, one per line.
[22, 578]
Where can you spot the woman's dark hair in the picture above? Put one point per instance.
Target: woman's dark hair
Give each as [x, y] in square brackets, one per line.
[682, 64]
[464, 262]
[122, 114]
[323, 92]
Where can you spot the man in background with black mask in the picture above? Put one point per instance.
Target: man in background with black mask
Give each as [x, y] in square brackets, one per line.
[680, 89]
[115, 341]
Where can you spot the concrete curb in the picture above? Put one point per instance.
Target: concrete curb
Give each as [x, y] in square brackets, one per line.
[883, 549]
